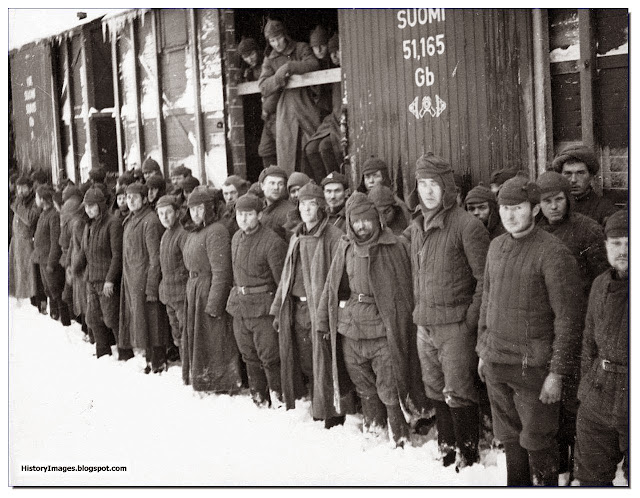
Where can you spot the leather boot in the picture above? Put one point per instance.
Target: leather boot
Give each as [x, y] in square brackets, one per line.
[374, 414]
[518, 473]
[446, 433]
[544, 466]
[466, 425]
[333, 421]
[398, 427]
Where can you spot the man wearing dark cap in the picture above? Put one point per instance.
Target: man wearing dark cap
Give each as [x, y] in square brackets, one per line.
[528, 335]
[249, 52]
[297, 116]
[173, 284]
[47, 252]
[366, 307]
[336, 190]
[150, 167]
[305, 357]
[39, 177]
[156, 188]
[390, 212]
[448, 250]
[232, 188]
[580, 165]
[178, 175]
[277, 206]
[143, 319]
[102, 267]
[120, 208]
[500, 176]
[376, 172]
[257, 256]
[603, 417]
[481, 203]
[71, 212]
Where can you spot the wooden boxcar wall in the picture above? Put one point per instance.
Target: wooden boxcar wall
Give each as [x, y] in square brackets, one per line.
[33, 112]
[455, 82]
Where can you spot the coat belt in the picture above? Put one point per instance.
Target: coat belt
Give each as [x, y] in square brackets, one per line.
[258, 289]
[363, 298]
[196, 274]
[609, 366]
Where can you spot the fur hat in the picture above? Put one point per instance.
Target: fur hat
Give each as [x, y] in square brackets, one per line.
[97, 175]
[318, 37]
[438, 169]
[202, 194]
[273, 171]
[382, 196]
[360, 206]
[577, 153]
[181, 169]
[246, 46]
[480, 193]
[273, 29]
[45, 192]
[311, 191]
[617, 225]
[551, 181]
[502, 175]
[335, 177]
[94, 196]
[189, 184]
[249, 202]
[70, 191]
[39, 176]
[297, 179]
[372, 165]
[137, 188]
[156, 181]
[168, 200]
[150, 165]
[517, 190]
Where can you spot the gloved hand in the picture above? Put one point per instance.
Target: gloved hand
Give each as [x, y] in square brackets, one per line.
[282, 75]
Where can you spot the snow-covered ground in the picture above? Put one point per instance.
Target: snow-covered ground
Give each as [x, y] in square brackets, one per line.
[68, 409]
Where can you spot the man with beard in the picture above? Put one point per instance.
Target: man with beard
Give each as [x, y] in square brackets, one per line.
[305, 357]
[580, 166]
[528, 335]
[366, 309]
[603, 417]
[336, 190]
[448, 250]
[257, 256]
[481, 203]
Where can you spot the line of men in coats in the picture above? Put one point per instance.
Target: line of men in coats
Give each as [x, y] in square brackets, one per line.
[444, 314]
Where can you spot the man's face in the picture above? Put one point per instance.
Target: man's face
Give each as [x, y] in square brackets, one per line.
[230, 193]
[121, 199]
[134, 201]
[519, 218]
[480, 210]
[554, 206]
[252, 59]
[167, 216]
[176, 180]
[336, 58]
[197, 213]
[148, 174]
[92, 210]
[247, 220]
[278, 43]
[618, 253]
[320, 51]
[430, 193]
[152, 194]
[293, 192]
[273, 187]
[22, 190]
[363, 227]
[372, 179]
[334, 195]
[309, 210]
[579, 176]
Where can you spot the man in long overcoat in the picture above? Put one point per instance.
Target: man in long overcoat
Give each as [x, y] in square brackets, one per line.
[366, 306]
[303, 353]
[143, 319]
[297, 116]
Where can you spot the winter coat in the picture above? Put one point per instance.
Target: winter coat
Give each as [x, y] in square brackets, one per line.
[297, 116]
[22, 271]
[211, 361]
[448, 267]
[76, 225]
[143, 324]
[314, 253]
[594, 206]
[101, 256]
[399, 222]
[585, 239]
[275, 216]
[606, 337]
[338, 219]
[174, 273]
[67, 211]
[390, 278]
[257, 261]
[46, 249]
[531, 304]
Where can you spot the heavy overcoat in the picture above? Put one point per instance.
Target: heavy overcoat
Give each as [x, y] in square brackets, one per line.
[75, 254]
[211, 359]
[316, 253]
[390, 278]
[22, 271]
[143, 324]
[297, 116]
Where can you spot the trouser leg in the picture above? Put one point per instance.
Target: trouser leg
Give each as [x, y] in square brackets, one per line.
[266, 343]
[544, 466]
[256, 375]
[303, 343]
[518, 472]
[466, 425]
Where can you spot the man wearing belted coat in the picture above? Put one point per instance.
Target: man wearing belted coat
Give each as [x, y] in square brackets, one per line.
[257, 256]
[603, 417]
[366, 307]
[303, 353]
